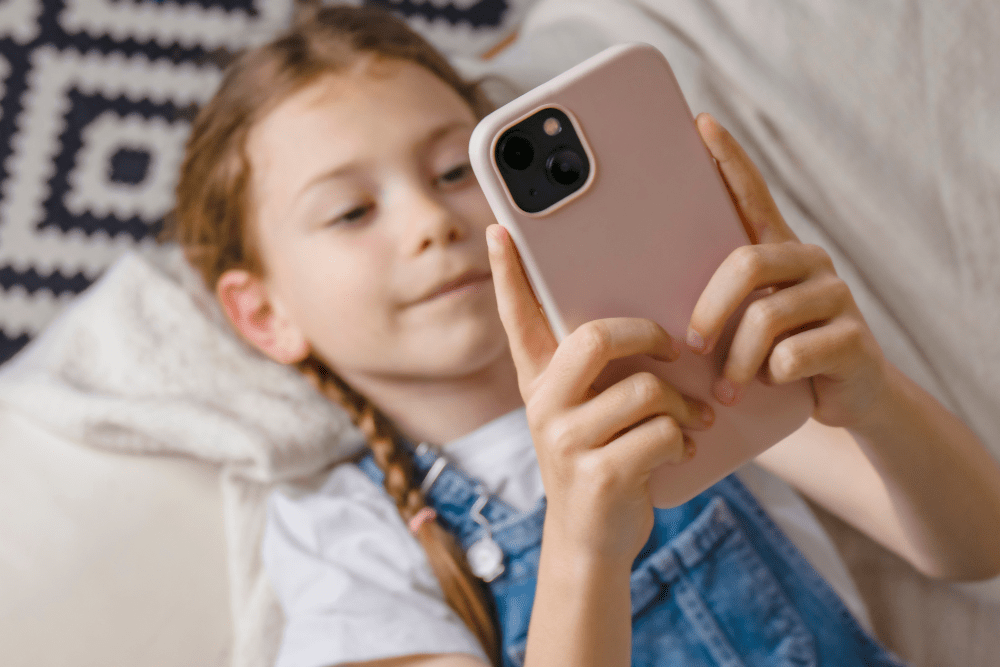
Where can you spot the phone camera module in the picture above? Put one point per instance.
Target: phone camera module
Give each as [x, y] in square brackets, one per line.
[564, 166]
[517, 152]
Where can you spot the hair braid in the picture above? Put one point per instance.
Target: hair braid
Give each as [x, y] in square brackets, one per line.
[463, 591]
[214, 209]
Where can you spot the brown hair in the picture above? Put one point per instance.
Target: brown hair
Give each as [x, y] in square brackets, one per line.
[210, 221]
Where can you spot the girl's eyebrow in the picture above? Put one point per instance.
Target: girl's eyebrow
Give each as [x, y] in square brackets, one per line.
[352, 166]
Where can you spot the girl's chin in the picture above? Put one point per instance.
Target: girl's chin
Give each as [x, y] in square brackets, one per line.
[476, 349]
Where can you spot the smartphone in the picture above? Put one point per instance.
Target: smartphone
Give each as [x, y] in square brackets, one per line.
[618, 210]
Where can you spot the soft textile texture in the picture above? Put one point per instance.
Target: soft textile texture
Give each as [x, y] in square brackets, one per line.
[139, 359]
[144, 363]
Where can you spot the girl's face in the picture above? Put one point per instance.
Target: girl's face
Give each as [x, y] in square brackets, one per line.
[364, 203]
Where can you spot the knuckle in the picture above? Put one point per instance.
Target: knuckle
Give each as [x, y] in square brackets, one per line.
[668, 429]
[762, 313]
[647, 387]
[595, 339]
[562, 436]
[655, 330]
[786, 361]
[818, 256]
[669, 435]
[747, 260]
[840, 291]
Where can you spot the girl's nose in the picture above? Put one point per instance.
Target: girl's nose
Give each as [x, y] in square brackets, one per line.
[432, 222]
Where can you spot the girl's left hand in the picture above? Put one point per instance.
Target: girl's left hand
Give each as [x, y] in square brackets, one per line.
[808, 326]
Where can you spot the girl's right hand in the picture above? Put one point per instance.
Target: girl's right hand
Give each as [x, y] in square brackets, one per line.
[596, 451]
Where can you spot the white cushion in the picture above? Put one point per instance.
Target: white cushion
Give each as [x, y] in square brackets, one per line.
[108, 559]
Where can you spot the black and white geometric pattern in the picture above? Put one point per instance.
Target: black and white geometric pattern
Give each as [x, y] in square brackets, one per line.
[91, 129]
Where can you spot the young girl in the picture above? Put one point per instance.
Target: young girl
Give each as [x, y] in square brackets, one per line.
[327, 197]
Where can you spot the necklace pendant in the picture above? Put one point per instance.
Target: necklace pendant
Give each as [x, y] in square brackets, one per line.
[486, 559]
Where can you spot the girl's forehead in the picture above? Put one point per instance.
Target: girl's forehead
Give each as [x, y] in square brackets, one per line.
[361, 77]
[391, 95]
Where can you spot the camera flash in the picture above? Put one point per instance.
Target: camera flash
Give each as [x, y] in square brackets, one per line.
[552, 127]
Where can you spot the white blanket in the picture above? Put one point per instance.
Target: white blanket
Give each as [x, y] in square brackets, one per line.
[874, 123]
[144, 362]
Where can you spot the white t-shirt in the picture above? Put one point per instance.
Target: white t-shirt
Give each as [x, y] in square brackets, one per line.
[355, 585]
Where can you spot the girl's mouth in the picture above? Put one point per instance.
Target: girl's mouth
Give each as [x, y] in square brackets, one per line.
[467, 282]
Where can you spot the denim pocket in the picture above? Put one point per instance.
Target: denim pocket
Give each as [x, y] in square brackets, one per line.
[708, 598]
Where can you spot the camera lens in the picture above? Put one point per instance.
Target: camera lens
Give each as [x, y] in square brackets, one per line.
[565, 166]
[517, 152]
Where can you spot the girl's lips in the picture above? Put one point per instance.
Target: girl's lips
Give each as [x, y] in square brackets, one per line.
[467, 278]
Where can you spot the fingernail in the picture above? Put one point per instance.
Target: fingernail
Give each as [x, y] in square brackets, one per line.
[492, 244]
[728, 392]
[695, 340]
[675, 350]
[707, 414]
[701, 413]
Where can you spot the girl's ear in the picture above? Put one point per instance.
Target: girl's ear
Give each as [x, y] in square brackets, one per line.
[248, 305]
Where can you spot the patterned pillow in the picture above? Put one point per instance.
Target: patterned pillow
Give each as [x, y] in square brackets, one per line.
[90, 139]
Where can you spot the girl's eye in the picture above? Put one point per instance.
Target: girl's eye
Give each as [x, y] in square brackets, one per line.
[457, 174]
[356, 214]
[353, 215]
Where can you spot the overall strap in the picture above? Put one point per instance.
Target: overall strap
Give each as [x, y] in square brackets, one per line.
[456, 496]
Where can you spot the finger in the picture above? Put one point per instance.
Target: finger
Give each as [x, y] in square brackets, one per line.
[833, 350]
[637, 453]
[745, 183]
[629, 402]
[745, 270]
[584, 354]
[768, 319]
[531, 340]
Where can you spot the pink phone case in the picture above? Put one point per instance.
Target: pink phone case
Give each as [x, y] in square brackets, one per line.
[641, 238]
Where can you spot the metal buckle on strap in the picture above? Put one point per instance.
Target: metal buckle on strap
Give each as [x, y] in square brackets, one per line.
[439, 463]
[432, 474]
[485, 556]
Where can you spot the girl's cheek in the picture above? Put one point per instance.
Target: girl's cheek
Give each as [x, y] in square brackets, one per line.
[477, 210]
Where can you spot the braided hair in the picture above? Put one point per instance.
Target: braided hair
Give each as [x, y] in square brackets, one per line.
[210, 221]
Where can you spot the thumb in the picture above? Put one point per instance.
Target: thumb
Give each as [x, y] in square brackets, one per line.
[745, 184]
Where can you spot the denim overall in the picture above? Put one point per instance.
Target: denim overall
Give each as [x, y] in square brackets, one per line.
[717, 583]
